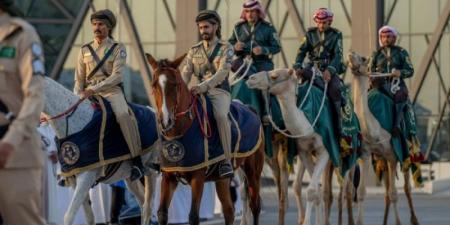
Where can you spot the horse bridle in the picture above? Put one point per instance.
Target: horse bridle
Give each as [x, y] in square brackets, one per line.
[174, 115]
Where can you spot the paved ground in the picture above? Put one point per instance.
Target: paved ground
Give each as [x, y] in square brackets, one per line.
[431, 210]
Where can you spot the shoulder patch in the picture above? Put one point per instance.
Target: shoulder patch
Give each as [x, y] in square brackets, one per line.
[230, 52]
[36, 49]
[38, 67]
[123, 54]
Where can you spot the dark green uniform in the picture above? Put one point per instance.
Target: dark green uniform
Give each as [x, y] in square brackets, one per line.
[325, 51]
[384, 60]
[263, 34]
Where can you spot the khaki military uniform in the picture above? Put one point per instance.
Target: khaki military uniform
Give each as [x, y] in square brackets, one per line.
[108, 86]
[21, 87]
[213, 77]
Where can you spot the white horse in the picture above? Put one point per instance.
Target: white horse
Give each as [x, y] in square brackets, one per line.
[57, 100]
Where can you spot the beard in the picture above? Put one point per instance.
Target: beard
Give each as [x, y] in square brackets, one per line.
[206, 36]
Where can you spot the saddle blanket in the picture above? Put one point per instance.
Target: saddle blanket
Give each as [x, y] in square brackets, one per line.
[343, 152]
[81, 151]
[193, 151]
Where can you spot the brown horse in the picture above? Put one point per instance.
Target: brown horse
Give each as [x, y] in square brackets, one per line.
[173, 100]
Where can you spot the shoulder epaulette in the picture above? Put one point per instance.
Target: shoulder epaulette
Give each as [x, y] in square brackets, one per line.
[312, 29]
[85, 45]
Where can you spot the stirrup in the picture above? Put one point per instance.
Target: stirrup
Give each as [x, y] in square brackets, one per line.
[225, 170]
[136, 173]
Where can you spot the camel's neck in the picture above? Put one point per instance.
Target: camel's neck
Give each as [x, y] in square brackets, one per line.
[57, 100]
[369, 124]
[294, 119]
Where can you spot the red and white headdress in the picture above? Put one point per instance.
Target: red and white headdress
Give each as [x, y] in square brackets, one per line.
[323, 14]
[387, 29]
[253, 4]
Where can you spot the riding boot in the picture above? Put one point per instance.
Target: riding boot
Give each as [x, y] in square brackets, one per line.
[398, 118]
[137, 170]
[337, 118]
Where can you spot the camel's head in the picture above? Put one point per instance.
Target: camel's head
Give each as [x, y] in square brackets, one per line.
[357, 63]
[275, 81]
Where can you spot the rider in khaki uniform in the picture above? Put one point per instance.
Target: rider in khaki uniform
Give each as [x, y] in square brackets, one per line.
[21, 102]
[210, 62]
[99, 71]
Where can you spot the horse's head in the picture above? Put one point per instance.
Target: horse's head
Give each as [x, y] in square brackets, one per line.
[357, 63]
[275, 81]
[170, 92]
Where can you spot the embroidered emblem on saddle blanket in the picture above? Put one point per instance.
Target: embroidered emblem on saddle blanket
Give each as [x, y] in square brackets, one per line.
[80, 151]
[200, 151]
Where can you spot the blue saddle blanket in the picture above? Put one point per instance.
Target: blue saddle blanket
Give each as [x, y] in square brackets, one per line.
[80, 151]
[199, 151]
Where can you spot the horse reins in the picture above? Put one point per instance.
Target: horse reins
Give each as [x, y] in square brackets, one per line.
[204, 126]
[66, 113]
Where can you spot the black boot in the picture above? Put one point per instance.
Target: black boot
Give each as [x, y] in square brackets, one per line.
[137, 170]
[398, 118]
[226, 169]
[337, 118]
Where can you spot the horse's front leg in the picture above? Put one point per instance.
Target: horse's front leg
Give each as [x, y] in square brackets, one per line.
[223, 192]
[149, 188]
[137, 189]
[197, 183]
[88, 213]
[168, 186]
[84, 182]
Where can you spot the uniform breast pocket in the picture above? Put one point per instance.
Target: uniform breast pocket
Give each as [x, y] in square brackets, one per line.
[8, 74]
[198, 60]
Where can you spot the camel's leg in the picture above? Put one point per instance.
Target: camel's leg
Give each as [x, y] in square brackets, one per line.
[223, 192]
[284, 184]
[308, 162]
[168, 186]
[298, 192]
[149, 187]
[393, 196]
[387, 201]
[349, 192]
[313, 191]
[327, 192]
[340, 203]
[197, 184]
[276, 170]
[83, 183]
[407, 188]
[364, 165]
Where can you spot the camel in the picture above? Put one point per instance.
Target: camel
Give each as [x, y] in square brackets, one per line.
[376, 139]
[58, 99]
[296, 122]
[283, 83]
